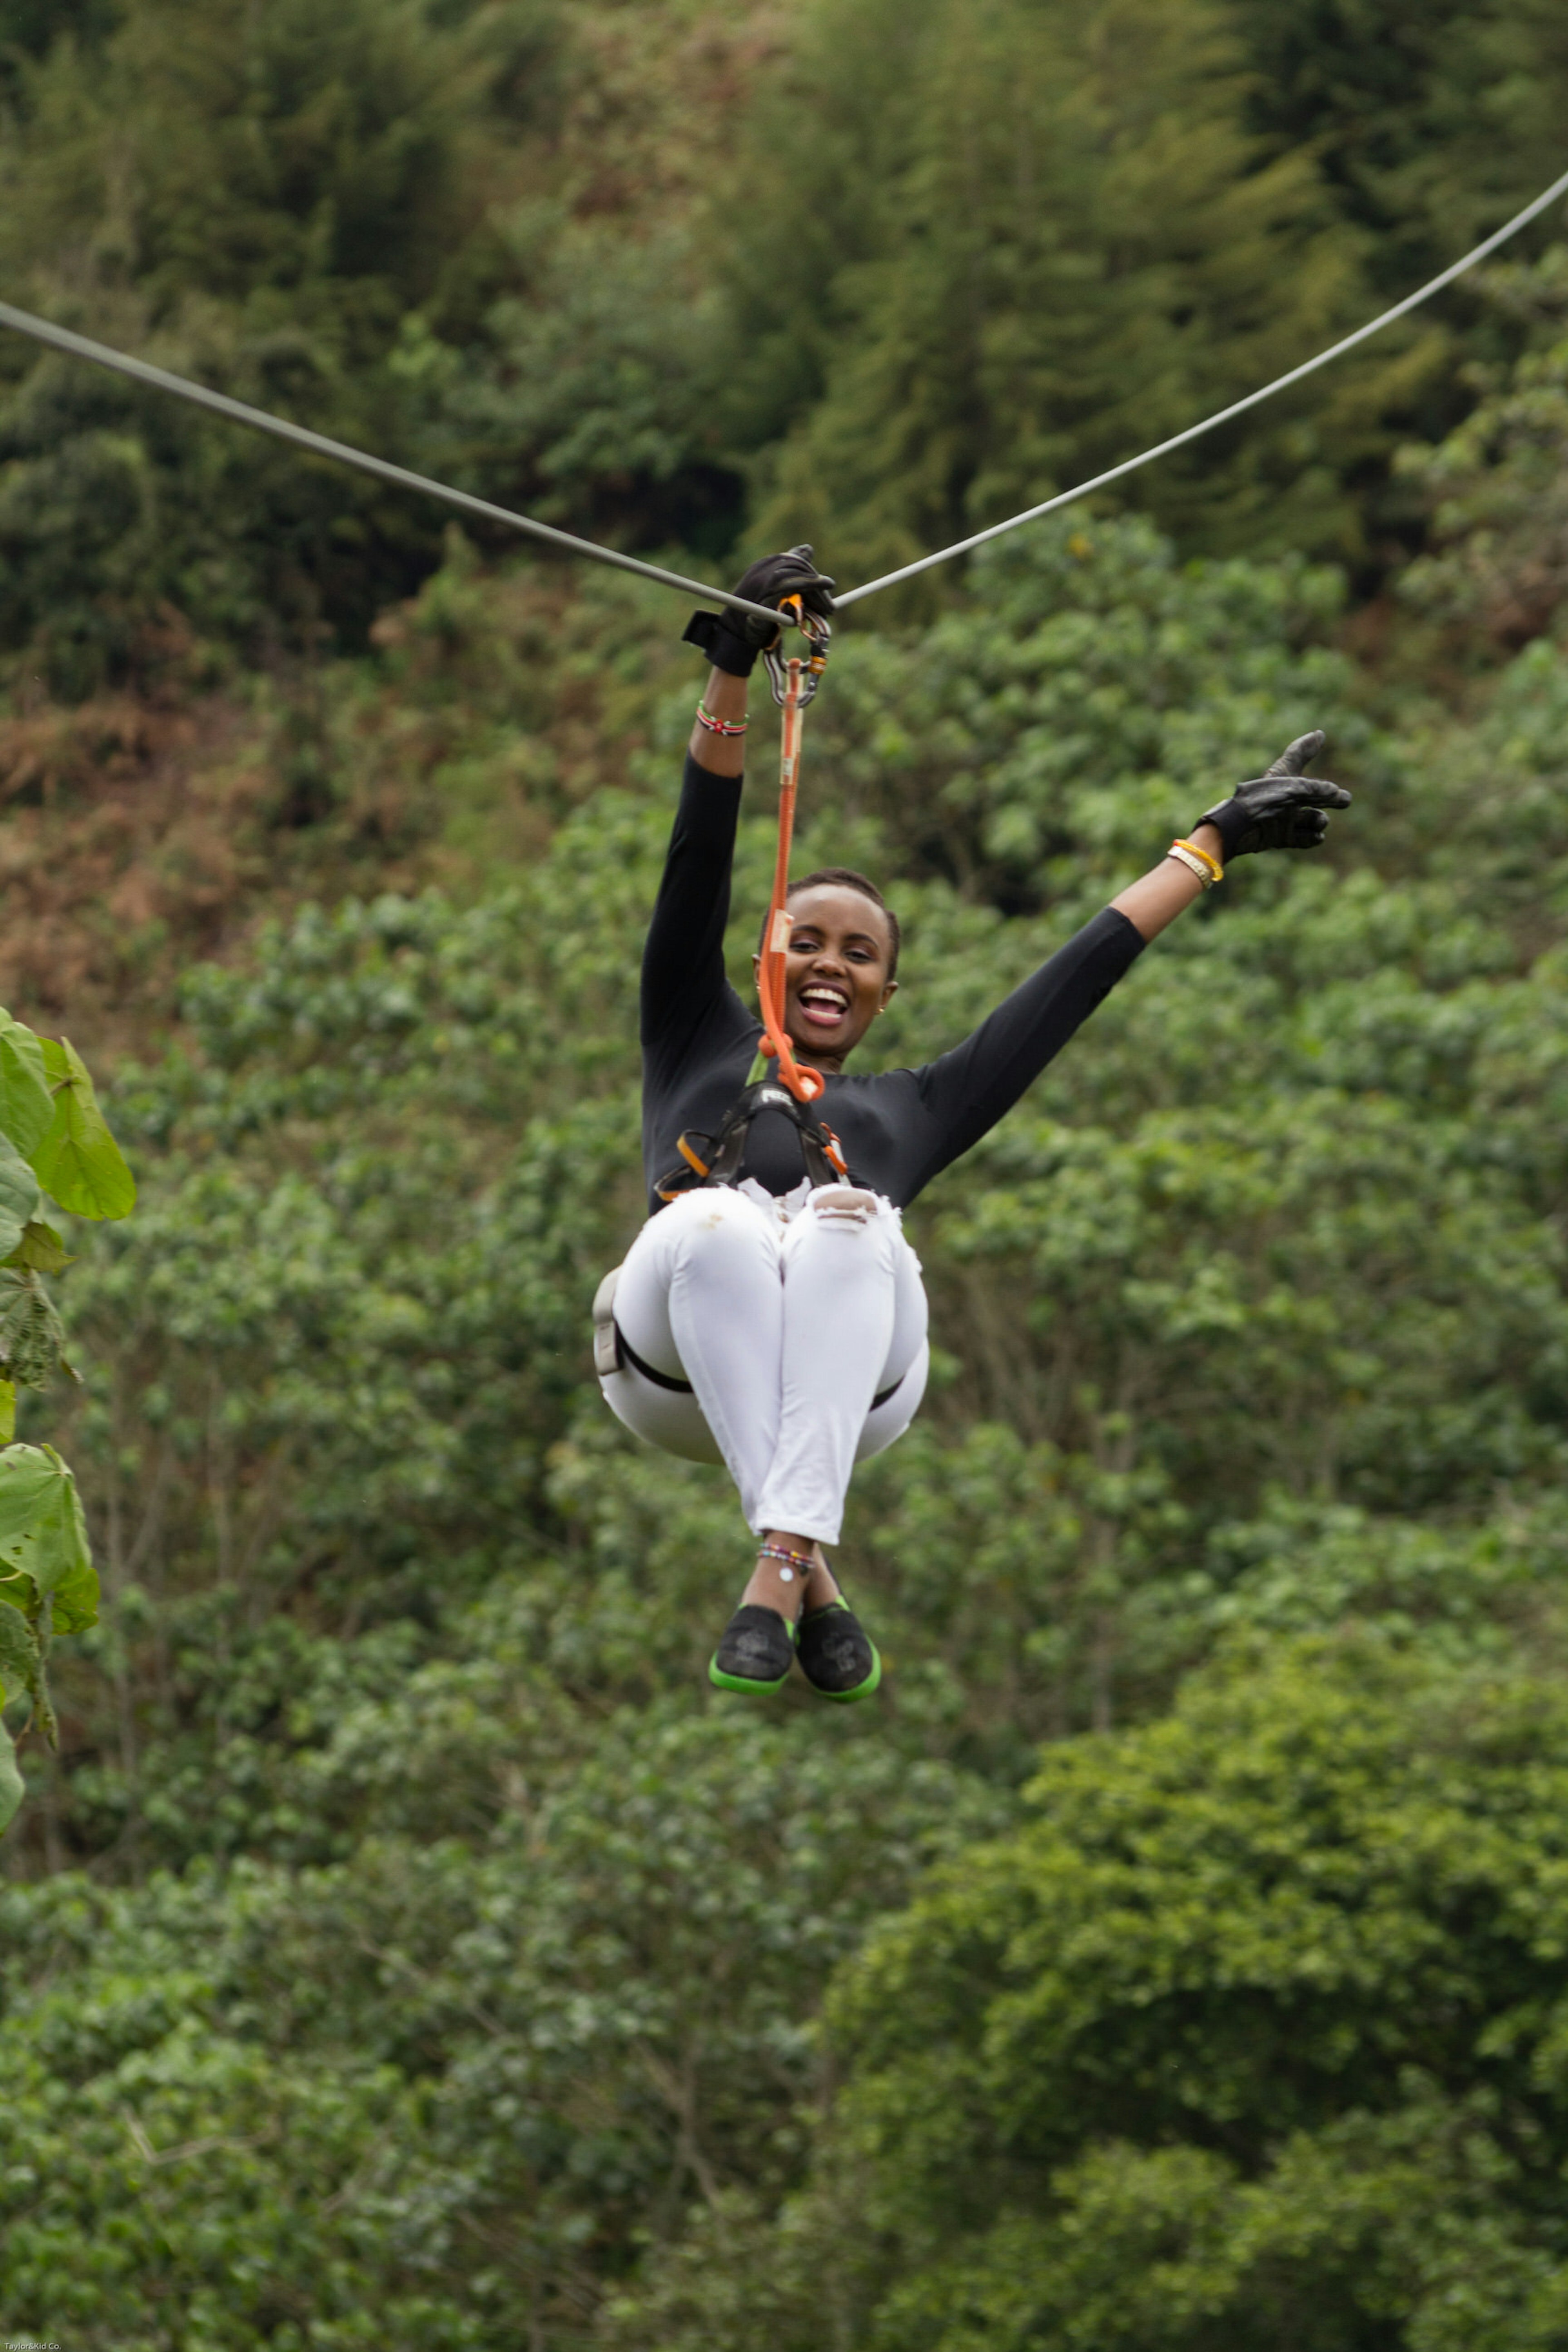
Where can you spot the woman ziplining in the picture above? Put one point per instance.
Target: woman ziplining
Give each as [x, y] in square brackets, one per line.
[769, 1315]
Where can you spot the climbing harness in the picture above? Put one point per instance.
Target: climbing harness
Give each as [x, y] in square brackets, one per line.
[61, 339]
[711, 1160]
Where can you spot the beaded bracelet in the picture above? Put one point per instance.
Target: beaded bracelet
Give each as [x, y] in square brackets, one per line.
[718, 726]
[794, 1562]
[1197, 861]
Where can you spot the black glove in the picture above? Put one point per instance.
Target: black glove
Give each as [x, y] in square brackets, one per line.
[732, 640]
[1283, 810]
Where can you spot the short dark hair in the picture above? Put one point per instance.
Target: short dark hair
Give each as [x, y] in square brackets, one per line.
[846, 879]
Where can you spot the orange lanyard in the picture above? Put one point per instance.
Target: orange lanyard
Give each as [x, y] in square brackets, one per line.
[794, 682]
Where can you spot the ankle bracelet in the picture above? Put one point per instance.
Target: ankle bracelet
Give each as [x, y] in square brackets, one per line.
[791, 1562]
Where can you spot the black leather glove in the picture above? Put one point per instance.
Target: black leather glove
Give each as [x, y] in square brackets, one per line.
[1283, 810]
[732, 640]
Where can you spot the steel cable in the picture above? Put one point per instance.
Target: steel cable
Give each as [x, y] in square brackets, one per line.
[319, 445]
[1222, 416]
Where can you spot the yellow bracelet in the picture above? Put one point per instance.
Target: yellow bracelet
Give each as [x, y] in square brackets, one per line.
[1215, 870]
[1191, 861]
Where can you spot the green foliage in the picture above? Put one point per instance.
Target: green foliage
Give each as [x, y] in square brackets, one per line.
[456, 1961]
[936, 268]
[1251, 2033]
[47, 1586]
[1022, 243]
[26, 1104]
[401, 1947]
[441, 2087]
[1430, 120]
[1086, 685]
[289, 187]
[78, 1158]
[368, 220]
[52, 1133]
[1496, 483]
[1038, 241]
[19, 1196]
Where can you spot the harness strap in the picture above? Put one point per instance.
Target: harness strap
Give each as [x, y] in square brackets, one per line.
[659, 1380]
[684, 1388]
[717, 1158]
[794, 682]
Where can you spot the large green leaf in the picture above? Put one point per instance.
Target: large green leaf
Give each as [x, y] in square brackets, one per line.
[32, 1337]
[18, 1653]
[18, 1196]
[78, 1163]
[20, 1656]
[26, 1106]
[7, 1412]
[43, 1535]
[21, 1672]
[11, 1789]
[41, 1251]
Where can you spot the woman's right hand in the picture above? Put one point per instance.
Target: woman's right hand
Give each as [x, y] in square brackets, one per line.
[1282, 810]
[732, 640]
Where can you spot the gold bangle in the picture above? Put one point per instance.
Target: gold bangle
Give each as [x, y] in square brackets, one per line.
[1191, 861]
[1217, 871]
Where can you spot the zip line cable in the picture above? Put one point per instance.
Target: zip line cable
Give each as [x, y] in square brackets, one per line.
[1237, 408]
[319, 445]
[61, 338]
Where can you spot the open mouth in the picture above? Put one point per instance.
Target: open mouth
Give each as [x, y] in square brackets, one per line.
[823, 1005]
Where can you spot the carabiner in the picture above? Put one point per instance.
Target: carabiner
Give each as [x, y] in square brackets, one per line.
[819, 634]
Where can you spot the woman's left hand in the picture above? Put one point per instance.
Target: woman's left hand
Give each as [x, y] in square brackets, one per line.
[1282, 810]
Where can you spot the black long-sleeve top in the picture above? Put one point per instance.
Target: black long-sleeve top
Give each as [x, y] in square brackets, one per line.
[898, 1129]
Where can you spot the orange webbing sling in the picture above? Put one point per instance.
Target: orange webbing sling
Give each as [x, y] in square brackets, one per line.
[794, 682]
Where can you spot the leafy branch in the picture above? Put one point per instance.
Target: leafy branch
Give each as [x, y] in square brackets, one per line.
[55, 1145]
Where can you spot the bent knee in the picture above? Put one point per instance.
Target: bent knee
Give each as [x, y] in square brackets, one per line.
[841, 1213]
[716, 1222]
[844, 1205]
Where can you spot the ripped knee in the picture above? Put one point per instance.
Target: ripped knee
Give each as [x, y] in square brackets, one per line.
[844, 1205]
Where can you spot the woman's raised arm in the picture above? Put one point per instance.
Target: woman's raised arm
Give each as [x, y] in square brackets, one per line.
[1282, 809]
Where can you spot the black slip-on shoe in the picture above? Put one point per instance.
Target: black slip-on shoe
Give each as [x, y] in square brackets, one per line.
[756, 1651]
[837, 1656]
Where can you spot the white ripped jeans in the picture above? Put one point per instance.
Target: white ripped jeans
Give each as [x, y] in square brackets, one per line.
[789, 1323]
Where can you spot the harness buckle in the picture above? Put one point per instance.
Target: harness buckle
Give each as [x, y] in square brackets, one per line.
[608, 1355]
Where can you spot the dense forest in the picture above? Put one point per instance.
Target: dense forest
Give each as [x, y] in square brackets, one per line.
[404, 1945]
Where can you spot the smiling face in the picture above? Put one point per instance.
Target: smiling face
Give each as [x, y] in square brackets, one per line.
[836, 973]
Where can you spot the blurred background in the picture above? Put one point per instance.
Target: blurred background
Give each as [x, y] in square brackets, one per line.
[406, 1948]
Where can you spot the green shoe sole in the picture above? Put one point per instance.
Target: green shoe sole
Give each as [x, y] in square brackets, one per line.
[753, 1636]
[805, 1645]
[746, 1685]
[861, 1690]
